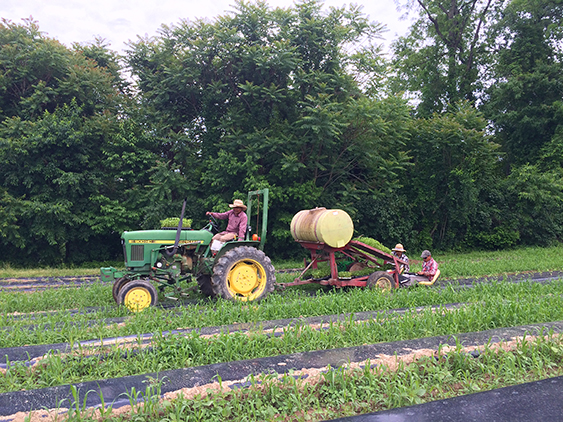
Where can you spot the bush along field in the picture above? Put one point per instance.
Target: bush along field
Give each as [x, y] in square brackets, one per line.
[303, 353]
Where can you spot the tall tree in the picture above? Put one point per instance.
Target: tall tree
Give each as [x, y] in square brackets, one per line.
[266, 98]
[525, 98]
[62, 131]
[438, 62]
[453, 178]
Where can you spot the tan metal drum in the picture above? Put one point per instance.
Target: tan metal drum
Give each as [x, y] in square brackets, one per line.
[332, 227]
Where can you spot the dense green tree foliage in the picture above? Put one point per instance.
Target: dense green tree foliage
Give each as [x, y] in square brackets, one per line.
[438, 61]
[454, 170]
[296, 100]
[505, 57]
[63, 150]
[264, 98]
[525, 100]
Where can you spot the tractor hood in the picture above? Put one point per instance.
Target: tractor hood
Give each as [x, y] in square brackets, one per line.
[166, 237]
[138, 246]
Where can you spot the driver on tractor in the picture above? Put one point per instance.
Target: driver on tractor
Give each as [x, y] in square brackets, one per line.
[236, 227]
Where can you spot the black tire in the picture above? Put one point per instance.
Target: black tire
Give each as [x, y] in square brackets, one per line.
[380, 280]
[138, 295]
[205, 286]
[243, 273]
[117, 285]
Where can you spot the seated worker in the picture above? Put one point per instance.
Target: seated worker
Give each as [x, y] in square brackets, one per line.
[429, 268]
[236, 226]
[399, 252]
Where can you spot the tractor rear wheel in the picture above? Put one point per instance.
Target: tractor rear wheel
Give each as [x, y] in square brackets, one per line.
[380, 280]
[205, 286]
[117, 285]
[138, 295]
[243, 273]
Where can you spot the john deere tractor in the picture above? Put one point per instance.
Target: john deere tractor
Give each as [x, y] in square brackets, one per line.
[167, 259]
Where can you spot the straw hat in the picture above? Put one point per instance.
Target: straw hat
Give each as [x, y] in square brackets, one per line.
[237, 203]
[399, 248]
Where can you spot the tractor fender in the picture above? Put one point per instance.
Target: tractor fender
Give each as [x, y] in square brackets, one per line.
[235, 244]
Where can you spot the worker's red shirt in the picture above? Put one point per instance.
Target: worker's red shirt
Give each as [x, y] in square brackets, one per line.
[430, 267]
[237, 223]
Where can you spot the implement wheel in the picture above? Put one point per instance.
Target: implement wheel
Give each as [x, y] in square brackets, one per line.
[117, 285]
[243, 273]
[380, 280]
[205, 286]
[138, 295]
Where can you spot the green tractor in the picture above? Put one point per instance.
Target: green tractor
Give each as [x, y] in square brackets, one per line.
[166, 258]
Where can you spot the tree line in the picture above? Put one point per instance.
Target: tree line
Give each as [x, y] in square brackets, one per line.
[454, 141]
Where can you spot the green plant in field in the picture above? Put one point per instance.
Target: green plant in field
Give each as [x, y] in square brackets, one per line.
[191, 349]
[322, 270]
[338, 394]
[292, 303]
[320, 273]
[363, 272]
[341, 392]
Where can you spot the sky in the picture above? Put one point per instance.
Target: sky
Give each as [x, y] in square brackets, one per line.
[120, 21]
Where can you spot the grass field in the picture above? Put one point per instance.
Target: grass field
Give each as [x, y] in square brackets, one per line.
[50, 316]
[452, 265]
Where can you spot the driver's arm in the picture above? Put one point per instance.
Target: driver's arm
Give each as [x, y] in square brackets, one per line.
[219, 215]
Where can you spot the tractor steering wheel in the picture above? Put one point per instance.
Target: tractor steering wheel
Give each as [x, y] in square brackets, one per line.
[214, 224]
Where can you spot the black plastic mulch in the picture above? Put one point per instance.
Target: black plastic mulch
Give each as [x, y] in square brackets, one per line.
[538, 401]
[115, 390]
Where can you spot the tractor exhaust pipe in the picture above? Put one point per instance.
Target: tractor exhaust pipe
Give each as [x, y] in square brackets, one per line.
[178, 232]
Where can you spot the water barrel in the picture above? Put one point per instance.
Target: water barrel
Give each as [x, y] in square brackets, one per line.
[332, 227]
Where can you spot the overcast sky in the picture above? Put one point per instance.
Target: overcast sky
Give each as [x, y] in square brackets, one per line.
[118, 21]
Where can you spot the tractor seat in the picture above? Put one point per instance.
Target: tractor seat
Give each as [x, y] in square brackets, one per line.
[431, 282]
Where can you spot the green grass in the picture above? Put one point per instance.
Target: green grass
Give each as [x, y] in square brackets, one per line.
[61, 326]
[8, 271]
[338, 394]
[343, 392]
[452, 265]
[526, 306]
[94, 295]
[462, 265]
[346, 392]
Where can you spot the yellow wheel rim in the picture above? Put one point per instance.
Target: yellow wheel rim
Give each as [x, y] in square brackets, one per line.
[246, 280]
[137, 299]
[383, 284]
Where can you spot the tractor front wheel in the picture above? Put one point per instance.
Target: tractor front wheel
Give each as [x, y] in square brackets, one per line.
[117, 285]
[243, 273]
[381, 280]
[138, 295]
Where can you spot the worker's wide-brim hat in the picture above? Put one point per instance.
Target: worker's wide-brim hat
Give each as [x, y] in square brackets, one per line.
[399, 248]
[237, 203]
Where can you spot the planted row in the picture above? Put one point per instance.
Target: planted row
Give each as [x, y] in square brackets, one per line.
[171, 352]
[346, 392]
[63, 327]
